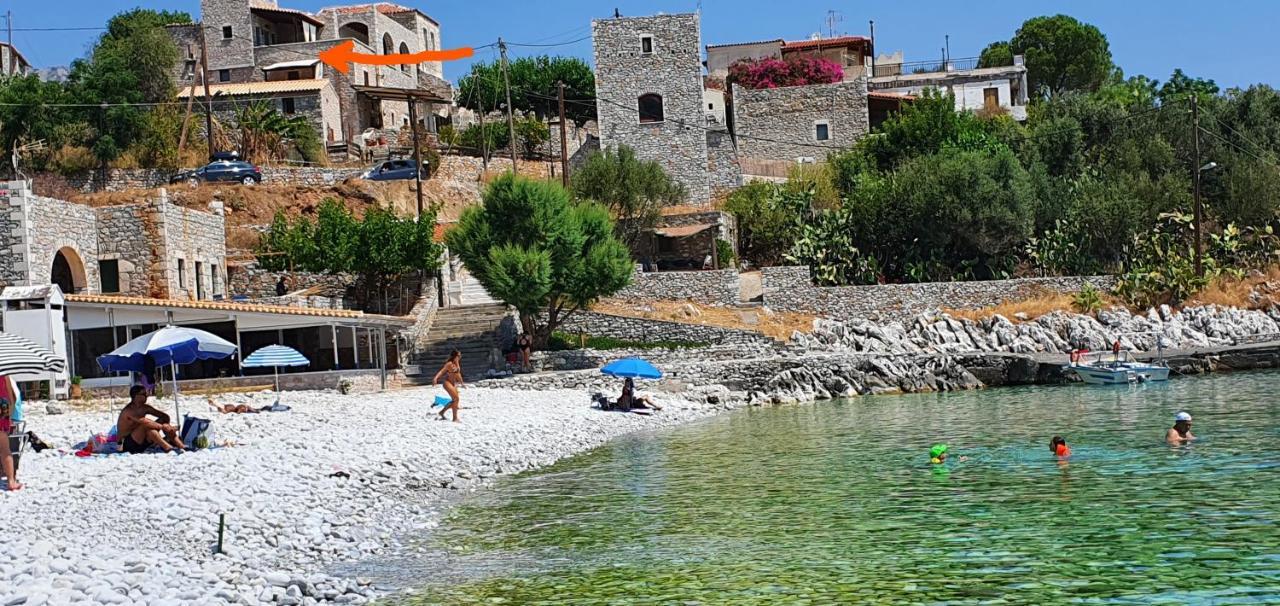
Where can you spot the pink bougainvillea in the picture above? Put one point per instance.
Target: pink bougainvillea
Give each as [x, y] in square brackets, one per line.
[771, 72]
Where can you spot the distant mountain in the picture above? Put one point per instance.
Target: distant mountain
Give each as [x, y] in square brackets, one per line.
[54, 74]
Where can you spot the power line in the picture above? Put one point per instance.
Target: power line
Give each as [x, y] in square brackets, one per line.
[574, 41]
[59, 29]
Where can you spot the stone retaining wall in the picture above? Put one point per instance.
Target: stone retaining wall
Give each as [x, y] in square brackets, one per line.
[715, 287]
[643, 330]
[790, 289]
[120, 179]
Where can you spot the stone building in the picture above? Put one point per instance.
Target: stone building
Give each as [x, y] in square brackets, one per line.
[650, 96]
[153, 249]
[12, 63]
[259, 50]
[987, 89]
[799, 123]
[850, 52]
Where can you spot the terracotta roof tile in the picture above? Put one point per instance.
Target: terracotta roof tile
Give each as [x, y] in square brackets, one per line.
[258, 88]
[825, 42]
[229, 306]
[385, 8]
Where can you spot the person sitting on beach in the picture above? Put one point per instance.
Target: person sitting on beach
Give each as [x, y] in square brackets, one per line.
[1180, 433]
[138, 433]
[1058, 447]
[629, 399]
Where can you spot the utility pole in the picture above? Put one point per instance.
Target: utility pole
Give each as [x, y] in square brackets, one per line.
[484, 135]
[208, 98]
[186, 117]
[873, 48]
[947, 53]
[417, 150]
[1195, 130]
[511, 120]
[564, 141]
[8, 19]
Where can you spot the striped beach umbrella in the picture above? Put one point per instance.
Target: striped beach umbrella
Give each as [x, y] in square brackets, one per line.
[21, 356]
[275, 356]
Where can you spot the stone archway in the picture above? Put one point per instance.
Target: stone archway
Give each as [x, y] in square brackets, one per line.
[68, 271]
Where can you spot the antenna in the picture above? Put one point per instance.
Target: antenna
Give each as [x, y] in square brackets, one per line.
[834, 18]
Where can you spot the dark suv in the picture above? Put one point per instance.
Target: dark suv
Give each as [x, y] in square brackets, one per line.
[392, 170]
[221, 170]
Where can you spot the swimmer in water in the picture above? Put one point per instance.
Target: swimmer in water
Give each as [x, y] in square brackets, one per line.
[1180, 433]
[1058, 447]
[938, 454]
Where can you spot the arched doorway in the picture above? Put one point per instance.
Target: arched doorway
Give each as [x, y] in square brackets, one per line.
[359, 31]
[68, 271]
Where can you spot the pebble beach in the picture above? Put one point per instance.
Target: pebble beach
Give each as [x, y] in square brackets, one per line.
[338, 479]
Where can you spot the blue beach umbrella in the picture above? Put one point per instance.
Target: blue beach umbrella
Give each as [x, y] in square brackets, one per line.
[634, 368]
[275, 356]
[172, 345]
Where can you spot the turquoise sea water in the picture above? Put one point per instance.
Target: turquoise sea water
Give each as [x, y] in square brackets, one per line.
[835, 502]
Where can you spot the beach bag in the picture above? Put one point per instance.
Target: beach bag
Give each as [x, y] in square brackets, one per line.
[195, 432]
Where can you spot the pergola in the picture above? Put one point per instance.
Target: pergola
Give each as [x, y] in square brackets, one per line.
[133, 314]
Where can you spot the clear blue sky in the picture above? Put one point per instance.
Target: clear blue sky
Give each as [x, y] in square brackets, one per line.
[1230, 42]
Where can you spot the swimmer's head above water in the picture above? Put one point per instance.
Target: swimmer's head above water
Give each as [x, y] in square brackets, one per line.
[938, 454]
[1058, 446]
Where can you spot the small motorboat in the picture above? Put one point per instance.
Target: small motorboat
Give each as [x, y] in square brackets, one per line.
[1121, 369]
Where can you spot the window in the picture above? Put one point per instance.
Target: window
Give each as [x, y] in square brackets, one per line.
[109, 274]
[182, 274]
[821, 131]
[650, 108]
[711, 106]
[224, 75]
[226, 32]
[991, 97]
[294, 75]
[286, 105]
[646, 45]
[666, 245]
[366, 78]
[199, 280]
[429, 39]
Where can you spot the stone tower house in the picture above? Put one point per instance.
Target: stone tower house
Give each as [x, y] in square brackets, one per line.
[649, 93]
[229, 35]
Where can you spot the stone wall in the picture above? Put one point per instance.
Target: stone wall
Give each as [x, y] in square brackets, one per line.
[673, 70]
[714, 287]
[121, 179]
[55, 226]
[790, 289]
[125, 236]
[194, 251]
[644, 330]
[233, 52]
[723, 171]
[787, 117]
[13, 247]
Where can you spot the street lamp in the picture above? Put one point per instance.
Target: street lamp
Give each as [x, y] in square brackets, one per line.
[1199, 214]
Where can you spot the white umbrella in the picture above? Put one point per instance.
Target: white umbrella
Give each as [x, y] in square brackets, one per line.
[170, 345]
[275, 356]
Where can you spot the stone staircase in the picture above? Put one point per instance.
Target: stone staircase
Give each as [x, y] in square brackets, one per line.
[470, 329]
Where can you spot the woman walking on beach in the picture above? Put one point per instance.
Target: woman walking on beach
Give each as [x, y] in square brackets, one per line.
[452, 373]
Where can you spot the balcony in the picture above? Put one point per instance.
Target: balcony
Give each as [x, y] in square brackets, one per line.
[925, 67]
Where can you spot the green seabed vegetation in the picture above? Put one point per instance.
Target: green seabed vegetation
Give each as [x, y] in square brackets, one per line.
[837, 503]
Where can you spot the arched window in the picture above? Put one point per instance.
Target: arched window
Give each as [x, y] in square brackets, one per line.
[388, 47]
[433, 40]
[429, 39]
[358, 31]
[650, 108]
[404, 50]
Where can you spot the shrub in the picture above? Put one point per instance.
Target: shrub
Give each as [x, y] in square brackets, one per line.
[724, 251]
[771, 72]
[1087, 300]
[561, 341]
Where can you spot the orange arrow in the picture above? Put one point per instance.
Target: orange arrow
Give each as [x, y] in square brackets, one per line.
[339, 55]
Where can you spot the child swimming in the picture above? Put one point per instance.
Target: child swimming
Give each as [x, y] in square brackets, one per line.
[1058, 447]
[938, 454]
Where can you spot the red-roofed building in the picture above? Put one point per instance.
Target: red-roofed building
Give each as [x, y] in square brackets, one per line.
[850, 52]
[258, 41]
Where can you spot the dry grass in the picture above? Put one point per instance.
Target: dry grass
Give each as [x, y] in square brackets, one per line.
[777, 325]
[1258, 290]
[1033, 307]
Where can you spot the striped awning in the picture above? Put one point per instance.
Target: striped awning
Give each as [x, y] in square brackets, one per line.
[21, 356]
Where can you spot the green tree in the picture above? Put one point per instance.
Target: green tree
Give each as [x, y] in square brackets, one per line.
[534, 87]
[633, 190]
[532, 134]
[492, 137]
[1062, 54]
[769, 217]
[1180, 86]
[337, 237]
[996, 54]
[535, 249]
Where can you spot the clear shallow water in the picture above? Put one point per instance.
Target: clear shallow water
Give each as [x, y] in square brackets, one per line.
[836, 503]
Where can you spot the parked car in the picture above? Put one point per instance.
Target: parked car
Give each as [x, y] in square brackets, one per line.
[221, 170]
[391, 170]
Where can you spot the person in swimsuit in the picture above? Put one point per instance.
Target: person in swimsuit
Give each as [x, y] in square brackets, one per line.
[138, 433]
[6, 457]
[629, 399]
[524, 343]
[452, 373]
[1180, 433]
[1058, 446]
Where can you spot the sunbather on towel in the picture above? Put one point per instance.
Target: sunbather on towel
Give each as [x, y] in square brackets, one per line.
[234, 408]
[138, 433]
[629, 399]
